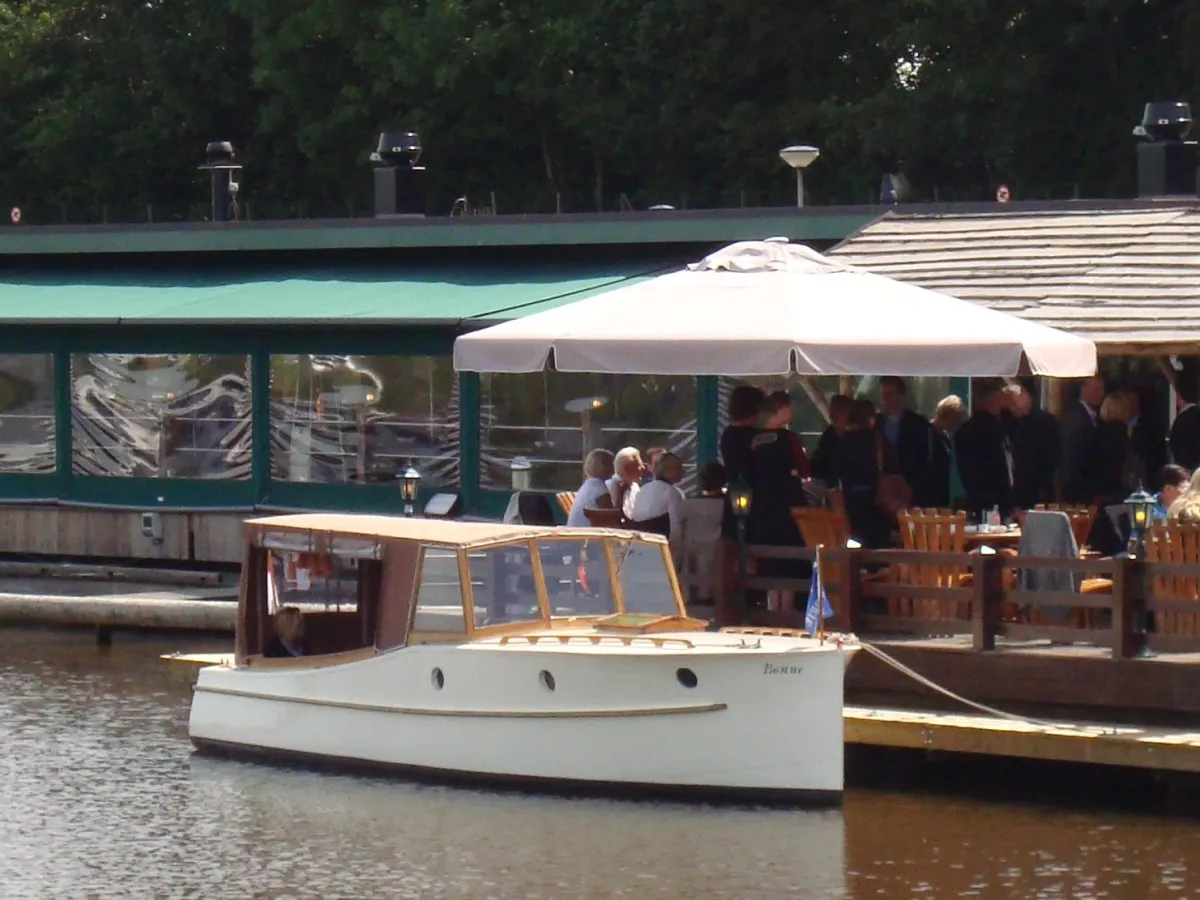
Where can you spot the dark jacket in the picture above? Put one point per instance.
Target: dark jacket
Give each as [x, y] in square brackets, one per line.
[1037, 449]
[856, 468]
[821, 463]
[933, 490]
[1081, 456]
[1112, 484]
[912, 448]
[1185, 439]
[983, 450]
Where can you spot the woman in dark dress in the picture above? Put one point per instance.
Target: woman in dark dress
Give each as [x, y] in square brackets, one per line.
[779, 465]
[861, 458]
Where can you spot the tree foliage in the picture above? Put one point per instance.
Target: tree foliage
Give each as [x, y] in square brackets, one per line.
[107, 104]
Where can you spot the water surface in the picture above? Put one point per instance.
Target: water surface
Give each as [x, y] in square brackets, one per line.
[102, 797]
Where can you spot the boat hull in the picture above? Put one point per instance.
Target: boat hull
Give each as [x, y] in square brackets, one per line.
[763, 722]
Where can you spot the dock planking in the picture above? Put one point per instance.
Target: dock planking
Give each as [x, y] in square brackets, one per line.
[1152, 748]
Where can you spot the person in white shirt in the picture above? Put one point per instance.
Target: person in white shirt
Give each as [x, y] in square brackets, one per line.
[623, 486]
[661, 497]
[597, 469]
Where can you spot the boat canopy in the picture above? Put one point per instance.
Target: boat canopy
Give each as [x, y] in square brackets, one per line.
[369, 583]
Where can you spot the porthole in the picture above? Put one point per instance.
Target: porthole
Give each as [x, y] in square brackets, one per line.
[546, 679]
[438, 679]
[687, 678]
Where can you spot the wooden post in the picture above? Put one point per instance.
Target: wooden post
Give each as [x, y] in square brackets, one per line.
[1129, 606]
[851, 590]
[987, 595]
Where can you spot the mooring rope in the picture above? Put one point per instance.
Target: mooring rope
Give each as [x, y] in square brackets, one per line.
[934, 686]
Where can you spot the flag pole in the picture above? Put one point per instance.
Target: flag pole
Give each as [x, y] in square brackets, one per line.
[820, 596]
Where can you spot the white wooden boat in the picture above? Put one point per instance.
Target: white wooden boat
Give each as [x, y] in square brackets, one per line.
[544, 656]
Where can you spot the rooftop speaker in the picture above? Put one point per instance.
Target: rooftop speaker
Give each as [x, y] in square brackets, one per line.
[444, 506]
[1166, 121]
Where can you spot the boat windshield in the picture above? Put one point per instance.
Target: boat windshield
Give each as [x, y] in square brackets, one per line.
[645, 583]
[577, 578]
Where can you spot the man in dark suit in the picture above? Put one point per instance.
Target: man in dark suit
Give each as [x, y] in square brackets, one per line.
[1185, 432]
[907, 431]
[1036, 447]
[1081, 450]
[984, 452]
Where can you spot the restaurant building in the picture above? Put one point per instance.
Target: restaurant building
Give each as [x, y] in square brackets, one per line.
[159, 382]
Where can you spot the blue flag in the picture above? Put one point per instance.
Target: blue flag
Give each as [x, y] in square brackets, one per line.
[818, 602]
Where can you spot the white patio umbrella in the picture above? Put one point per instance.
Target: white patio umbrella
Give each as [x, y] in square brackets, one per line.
[774, 308]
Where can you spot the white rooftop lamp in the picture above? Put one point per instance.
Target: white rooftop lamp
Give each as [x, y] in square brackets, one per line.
[799, 157]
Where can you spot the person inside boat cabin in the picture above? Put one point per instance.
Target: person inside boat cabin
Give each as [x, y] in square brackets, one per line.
[288, 639]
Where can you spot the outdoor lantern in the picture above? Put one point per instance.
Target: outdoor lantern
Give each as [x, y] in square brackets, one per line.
[408, 488]
[1140, 506]
[740, 498]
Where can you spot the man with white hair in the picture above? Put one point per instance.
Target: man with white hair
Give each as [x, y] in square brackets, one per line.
[597, 469]
[623, 486]
[661, 497]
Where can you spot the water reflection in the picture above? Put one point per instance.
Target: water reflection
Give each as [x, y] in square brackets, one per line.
[102, 796]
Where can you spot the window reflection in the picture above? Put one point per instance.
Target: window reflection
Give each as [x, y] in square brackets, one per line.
[160, 415]
[363, 419]
[527, 415]
[27, 413]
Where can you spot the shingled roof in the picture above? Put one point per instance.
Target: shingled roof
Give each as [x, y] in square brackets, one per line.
[1129, 279]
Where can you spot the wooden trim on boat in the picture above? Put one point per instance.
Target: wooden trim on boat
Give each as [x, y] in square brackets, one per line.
[539, 579]
[474, 713]
[669, 562]
[466, 594]
[614, 577]
[257, 661]
[626, 639]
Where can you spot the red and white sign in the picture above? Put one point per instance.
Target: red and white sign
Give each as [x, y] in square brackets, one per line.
[1002, 194]
[15, 215]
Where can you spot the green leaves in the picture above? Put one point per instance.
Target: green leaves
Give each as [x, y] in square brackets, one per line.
[107, 104]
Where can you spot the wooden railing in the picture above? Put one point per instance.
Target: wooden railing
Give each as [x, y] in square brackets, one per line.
[1122, 619]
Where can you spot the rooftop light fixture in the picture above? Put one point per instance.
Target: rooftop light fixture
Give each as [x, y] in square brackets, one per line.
[799, 157]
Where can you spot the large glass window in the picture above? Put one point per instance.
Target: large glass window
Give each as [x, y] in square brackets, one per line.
[27, 413]
[645, 584]
[363, 419]
[553, 419]
[502, 585]
[577, 579]
[160, 415]
[439, 595]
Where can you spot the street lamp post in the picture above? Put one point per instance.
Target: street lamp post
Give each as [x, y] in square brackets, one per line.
[799, 157]
[1140, 505]
[408, 488]
[740, 498]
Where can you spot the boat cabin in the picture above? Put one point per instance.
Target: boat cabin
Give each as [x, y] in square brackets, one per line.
[361, 584]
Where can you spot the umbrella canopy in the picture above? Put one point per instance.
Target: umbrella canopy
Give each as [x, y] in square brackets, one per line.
[774, 308]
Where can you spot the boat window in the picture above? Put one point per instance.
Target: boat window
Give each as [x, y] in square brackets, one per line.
[439, 594]
[645, 584]
[577, 579]
[314, 581]
[502, 585]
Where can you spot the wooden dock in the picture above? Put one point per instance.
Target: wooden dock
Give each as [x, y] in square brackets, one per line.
[1159, 749]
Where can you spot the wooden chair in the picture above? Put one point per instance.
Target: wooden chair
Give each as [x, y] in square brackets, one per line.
[1175, 542]
[932, 533]
[1082, 518]
[566, 500]
[829, 528]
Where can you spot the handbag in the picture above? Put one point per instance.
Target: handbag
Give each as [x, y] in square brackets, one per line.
[893, 493]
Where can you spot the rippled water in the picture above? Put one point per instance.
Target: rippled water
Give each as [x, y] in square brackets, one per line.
[102, 797]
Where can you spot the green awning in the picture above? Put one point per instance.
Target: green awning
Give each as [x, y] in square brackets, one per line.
[395, 295]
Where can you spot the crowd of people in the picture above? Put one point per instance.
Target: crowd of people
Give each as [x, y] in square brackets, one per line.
[1003, 455]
